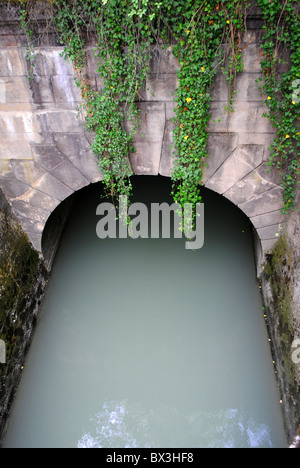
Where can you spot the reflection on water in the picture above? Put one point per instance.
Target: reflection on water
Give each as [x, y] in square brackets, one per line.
[121, 425]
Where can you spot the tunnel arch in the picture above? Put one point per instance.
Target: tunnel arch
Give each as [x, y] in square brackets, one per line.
[57, 220]
[46, 156]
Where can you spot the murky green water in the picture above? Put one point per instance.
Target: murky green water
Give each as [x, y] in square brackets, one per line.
[145, 344]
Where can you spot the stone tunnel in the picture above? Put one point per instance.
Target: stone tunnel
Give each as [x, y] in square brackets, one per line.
[45, 149]
[46, 157]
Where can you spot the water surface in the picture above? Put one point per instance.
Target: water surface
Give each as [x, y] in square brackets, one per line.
[142, 343]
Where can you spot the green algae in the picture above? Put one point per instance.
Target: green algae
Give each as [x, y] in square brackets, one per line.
[22, 283]
[278, 288]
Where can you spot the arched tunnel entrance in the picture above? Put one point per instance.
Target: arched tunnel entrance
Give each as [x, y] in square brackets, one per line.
[143, 343]
[56, 222]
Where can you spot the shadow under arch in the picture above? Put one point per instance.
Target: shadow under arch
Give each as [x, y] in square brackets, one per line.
[54, 228]
[257, 241]
[152, 189]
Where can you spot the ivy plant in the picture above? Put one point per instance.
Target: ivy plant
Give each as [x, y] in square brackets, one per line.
[122, 52]
[126, 29]
[206, 36]
[200, 31]
[282, 90]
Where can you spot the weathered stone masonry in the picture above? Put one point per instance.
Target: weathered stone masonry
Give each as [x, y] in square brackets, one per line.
[281, 292]
[22, 283]
[45, 151]
[45, 157]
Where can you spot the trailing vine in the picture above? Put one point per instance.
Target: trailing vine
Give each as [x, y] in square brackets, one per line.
[32, 13]
[122, 51]
[29, 46]
[282, 34]
[200, 30]
[206, 36]
[125, 30]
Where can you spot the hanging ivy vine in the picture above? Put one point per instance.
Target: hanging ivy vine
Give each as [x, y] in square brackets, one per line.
[206, 35]
[282, 38]
[200, 31]
[126, 29]
[122, 50]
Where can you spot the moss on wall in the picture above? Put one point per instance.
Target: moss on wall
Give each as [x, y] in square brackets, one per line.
[278, 269]
[22, 283]
[279, 284]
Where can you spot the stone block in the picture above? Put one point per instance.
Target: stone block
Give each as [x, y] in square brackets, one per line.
[219, 121]
[270, 232]
[257, 182]
[265, 139]
[159, 88]
[149, 140]
[14, 106]
[47, 156]
[244, 189]
[11, 64]
[49, 62]
[272, 176]
[163, 61]
[65, 89]
[18, 122]
[13, 188]
[36, 240]
[220, 146]
[31, 225]
[146, 159]
[6, 169]
[248, 118]
[252, 57]
[220, 89]
[42, 90]
[9, 40]
[40, 200]
[51, 186]
[25, 210]
[77, 149]
[269, 219]
[92, 62]
[18, 145]
[59, 121]
[153, 119]
[69, 175]
[27, 171]
[268, 202]
[240, 163]
[247, 88]
[167, 154]
[16, 90]
[170, 110]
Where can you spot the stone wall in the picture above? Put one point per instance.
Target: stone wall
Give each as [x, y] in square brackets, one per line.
[45, 157]
[22, 284]
[45, 153]
[281, 291]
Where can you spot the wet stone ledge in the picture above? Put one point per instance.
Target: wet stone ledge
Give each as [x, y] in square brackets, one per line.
[23, 279]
